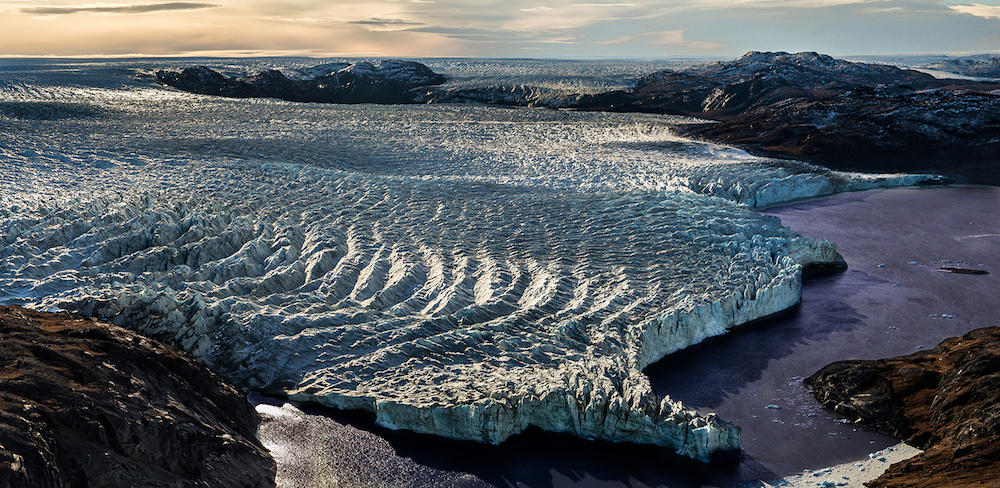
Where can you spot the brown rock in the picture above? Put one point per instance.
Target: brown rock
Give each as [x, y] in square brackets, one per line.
[84, 403]
[945, 401]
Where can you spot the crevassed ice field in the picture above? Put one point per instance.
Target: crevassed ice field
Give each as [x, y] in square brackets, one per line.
[462, 270]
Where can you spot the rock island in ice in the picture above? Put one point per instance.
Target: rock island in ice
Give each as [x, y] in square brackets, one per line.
[464, 271]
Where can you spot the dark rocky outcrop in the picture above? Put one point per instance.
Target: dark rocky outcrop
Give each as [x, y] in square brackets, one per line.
[88, 404]
[844, 115]
[945, 401]
[361, 82]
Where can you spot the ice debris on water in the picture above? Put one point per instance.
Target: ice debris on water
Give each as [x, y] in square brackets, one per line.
[773, 407]
[913, 263]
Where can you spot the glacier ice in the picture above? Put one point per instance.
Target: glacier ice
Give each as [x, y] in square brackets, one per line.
[466, 310]
[484, 271]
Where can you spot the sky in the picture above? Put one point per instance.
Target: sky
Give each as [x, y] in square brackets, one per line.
[563, 29]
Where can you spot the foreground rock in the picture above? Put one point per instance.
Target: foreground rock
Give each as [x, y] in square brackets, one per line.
[945, 401]
[83, 403]
[361, 82]
[848, 116]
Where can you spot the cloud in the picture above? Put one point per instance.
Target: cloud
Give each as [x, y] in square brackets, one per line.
[384, 25]
[536, 9]
[122, 9]
[985, 11]
[676, 38]
[663, 38]
[373, 24]
[604, 5]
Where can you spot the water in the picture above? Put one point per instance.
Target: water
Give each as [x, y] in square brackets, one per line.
[420, 262]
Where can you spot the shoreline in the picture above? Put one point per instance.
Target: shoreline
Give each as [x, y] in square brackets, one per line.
[848, 475]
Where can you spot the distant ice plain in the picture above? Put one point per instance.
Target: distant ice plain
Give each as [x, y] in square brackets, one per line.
[461, 270]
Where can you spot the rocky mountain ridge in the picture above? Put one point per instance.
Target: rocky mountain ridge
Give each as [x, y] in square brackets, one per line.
[844, 115]
[361, 82]
[754, 80]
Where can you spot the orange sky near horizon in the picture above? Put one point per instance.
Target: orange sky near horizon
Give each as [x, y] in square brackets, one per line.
[490, 28]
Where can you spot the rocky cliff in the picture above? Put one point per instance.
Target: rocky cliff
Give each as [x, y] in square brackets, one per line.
[945, 401]
[361, 82]
[84, 403]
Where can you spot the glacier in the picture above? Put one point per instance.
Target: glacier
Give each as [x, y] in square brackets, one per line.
[460, 270]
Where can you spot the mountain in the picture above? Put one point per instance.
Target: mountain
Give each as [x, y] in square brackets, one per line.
[844, 115]
[360, 82]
